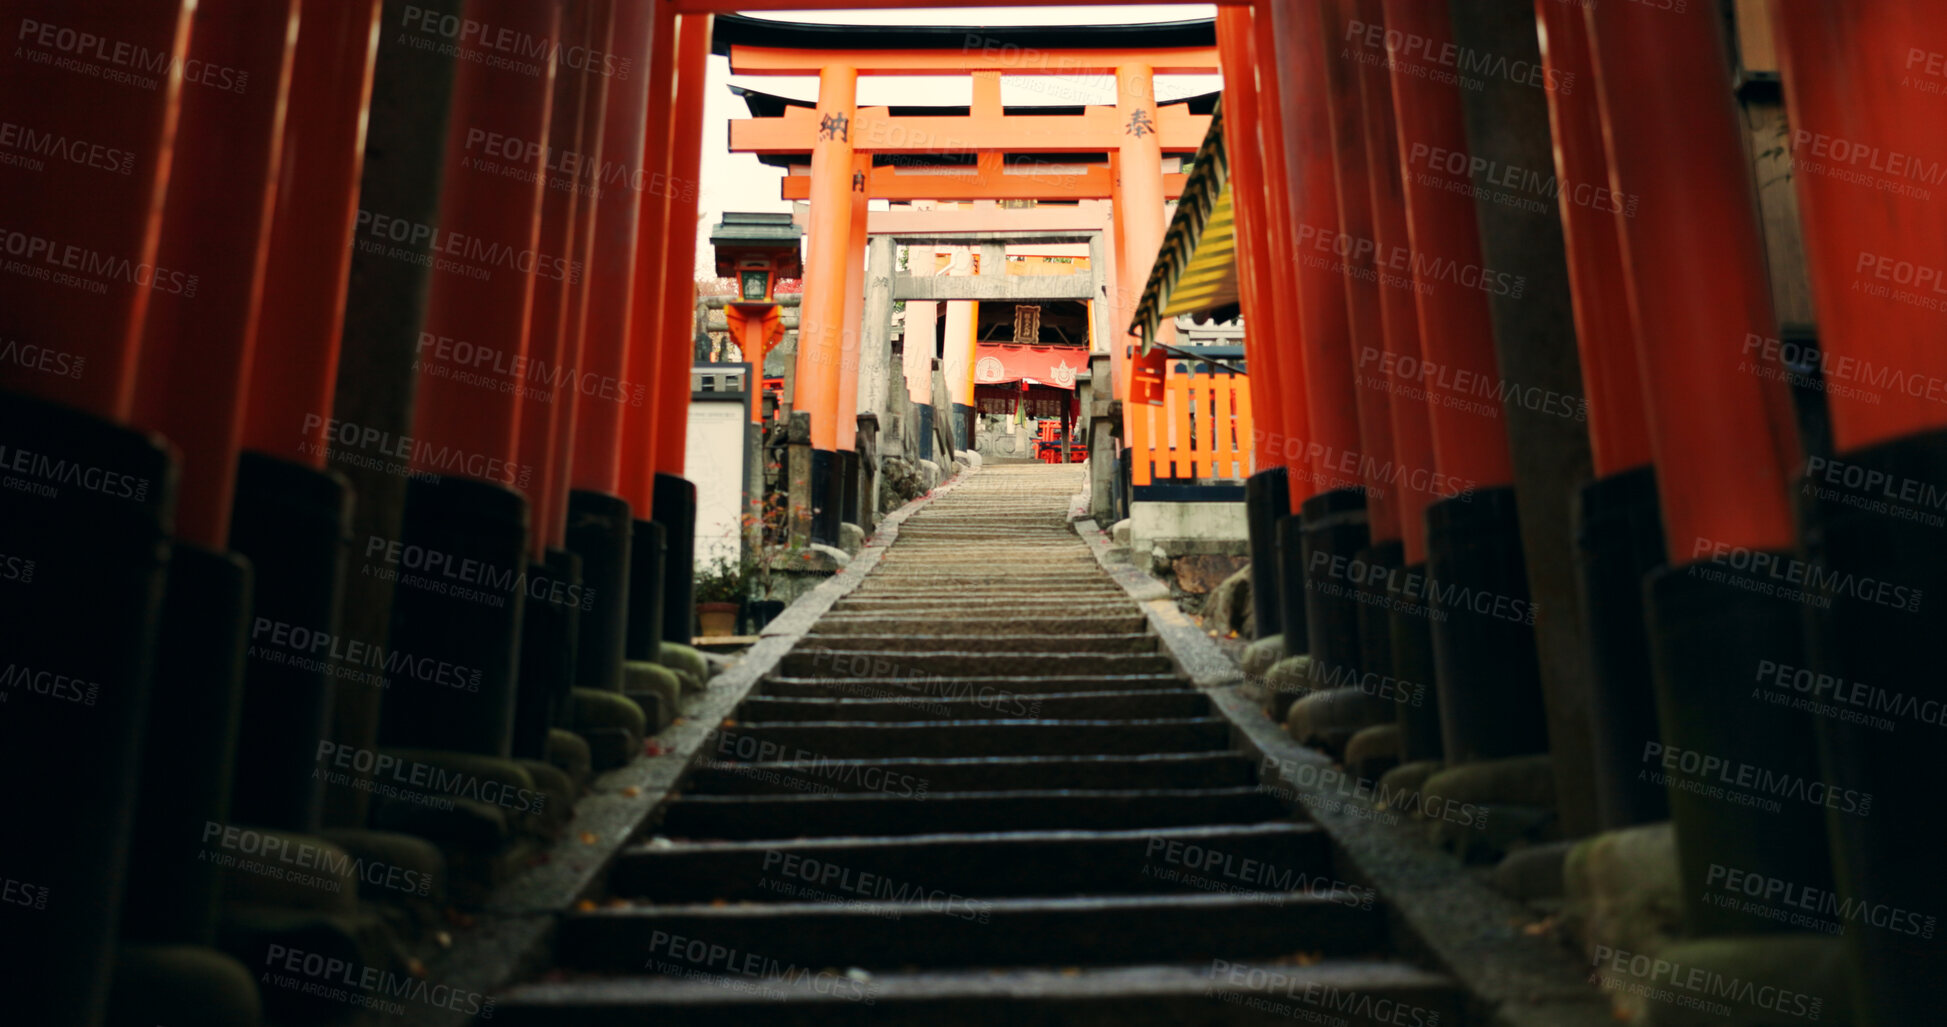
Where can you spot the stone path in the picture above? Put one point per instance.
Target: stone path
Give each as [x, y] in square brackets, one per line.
[978, 793]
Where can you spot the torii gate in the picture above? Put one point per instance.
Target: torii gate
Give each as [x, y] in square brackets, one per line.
[841, 137]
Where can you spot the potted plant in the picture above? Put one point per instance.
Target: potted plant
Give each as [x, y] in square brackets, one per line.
[718, 590]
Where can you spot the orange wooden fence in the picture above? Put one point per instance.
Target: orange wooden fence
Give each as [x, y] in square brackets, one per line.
[1202, 430]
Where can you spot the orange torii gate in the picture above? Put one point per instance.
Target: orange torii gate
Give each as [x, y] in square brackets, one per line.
[837, 135]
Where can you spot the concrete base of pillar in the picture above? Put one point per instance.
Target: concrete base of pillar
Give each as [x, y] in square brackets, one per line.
[1491, 704]
[1267, 496]
[1619, 540]
[459, 519]
[549, 627]
[648, 577]
[292, 522]
[675, 509]
[188, 765]
[601, 532]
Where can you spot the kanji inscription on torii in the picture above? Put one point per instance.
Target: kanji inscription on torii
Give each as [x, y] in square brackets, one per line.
[1139, 124]
[838, 126]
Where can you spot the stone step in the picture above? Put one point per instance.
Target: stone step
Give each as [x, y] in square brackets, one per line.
[907, 642]
[939, 610]
[841, 662]
[1343, 992]
[844, 622]
[972, 774]
[1253, 858]
[737, 817]
[1143, 704]
[945, 931]
[1036, 597]
[1007, 562]
[945, 687]
[998, 736]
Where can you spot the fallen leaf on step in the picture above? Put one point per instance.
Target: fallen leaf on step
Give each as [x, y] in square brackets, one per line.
[590, 837]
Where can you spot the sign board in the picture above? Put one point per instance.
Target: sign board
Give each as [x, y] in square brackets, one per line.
[1146, 372]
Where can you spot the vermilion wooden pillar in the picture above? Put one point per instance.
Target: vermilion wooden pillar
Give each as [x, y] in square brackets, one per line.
[821, 321]
[1484, 661]
[466, 503]
[602, 527]
[1294, 450]
[576, 316]
[1256, 279]
[1694, 265]
[296, 360]
[1306, 135]
[1619, 535]
[821, 317]
[190, 387]
[673, 347]
[1118, 304]
[1412, 435]
[556, 594]
[848, 363]
[679, 258]
[291, 516]
[546, 381]
[473, 344]
[1412, 432]
[1592, 215]
[197, 341]
[1457, 334]
[1139, 196]
[1355, 254]
[847, 488]
[104, 214]
[1332, 530]
[1290, 364]
[89, 612]
[645, 364]
[1725, 445]
[1267, 491]
[1865, 87]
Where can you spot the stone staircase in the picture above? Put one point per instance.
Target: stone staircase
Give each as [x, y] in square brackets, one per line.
[977, 793]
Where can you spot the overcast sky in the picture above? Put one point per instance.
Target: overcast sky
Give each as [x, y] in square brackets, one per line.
[739, 182]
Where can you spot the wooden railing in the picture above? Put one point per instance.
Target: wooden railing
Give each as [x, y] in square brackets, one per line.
[1202, 430]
